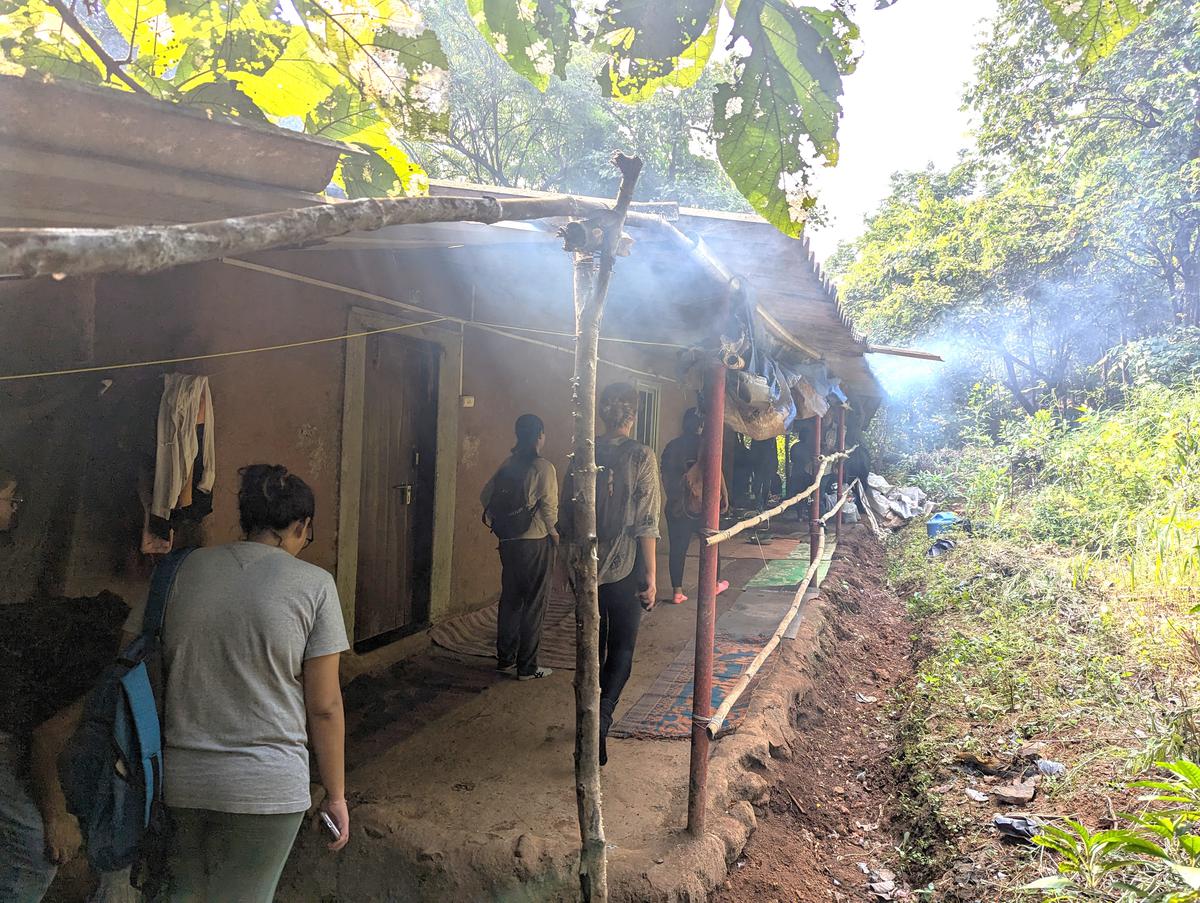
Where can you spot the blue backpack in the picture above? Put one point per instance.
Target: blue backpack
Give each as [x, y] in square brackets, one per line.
[111, 770]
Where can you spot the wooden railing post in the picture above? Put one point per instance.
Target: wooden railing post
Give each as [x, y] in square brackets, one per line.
[814, 527]
[837, 527]
[706, 598]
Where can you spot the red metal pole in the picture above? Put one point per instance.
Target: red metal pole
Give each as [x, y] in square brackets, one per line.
[841, 467]
[706, 598]
[814, 527]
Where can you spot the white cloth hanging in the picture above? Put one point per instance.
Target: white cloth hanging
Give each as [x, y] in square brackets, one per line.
[178, 413]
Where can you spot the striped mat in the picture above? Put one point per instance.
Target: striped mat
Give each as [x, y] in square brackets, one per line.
[475, 633]
[664, 712]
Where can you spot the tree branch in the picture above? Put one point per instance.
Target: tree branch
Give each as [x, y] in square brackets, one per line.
[113, 67]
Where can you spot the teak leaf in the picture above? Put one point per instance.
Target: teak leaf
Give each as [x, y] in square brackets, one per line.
[533, 36]
[651, 44]
[780, 114]
[1093, 28]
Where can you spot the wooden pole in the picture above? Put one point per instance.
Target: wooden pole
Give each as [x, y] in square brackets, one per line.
[591, 291]
[814, 528]
[147, 249]
[706, 601]
[837, 527]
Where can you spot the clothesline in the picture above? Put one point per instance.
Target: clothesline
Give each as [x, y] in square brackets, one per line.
[75, 371]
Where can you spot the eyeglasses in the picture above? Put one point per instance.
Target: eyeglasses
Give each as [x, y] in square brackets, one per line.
[308, 540]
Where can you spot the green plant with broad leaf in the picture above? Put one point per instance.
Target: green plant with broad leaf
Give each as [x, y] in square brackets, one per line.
[368, 73]
[1157, 859]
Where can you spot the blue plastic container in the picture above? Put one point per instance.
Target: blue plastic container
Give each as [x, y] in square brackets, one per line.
[940, 522]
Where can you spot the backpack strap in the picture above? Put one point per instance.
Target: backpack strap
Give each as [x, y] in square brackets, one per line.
[161, 583]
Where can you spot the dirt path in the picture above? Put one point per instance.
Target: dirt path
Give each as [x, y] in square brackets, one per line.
[832, 802]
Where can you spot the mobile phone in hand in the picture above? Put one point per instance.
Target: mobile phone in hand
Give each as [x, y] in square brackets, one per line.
[330, 826]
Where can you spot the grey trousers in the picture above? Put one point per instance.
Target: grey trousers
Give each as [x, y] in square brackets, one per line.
[226, 857]
[527, 567]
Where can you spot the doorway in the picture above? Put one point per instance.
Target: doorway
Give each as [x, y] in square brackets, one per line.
[396, 501]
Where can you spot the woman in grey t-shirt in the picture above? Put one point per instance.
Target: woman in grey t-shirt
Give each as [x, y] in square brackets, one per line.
[251, 642]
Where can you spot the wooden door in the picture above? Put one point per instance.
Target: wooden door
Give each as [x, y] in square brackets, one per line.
[395, 532]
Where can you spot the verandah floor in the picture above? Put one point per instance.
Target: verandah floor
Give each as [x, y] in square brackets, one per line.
[461, 781]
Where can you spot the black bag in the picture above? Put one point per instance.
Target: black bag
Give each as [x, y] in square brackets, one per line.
[508, 513]
[612, 493]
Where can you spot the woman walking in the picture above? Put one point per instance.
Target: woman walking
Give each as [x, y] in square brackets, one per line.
[251, 641]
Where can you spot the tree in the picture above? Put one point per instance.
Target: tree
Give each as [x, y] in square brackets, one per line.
[503, 131]
[1126, 134]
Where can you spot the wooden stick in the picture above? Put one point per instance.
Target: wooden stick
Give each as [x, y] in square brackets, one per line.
[731, 698]
[148, 249]
[742, 526]
[832, 512]
[591, 290]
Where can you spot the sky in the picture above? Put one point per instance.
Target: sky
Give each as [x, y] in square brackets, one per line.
[902, 106]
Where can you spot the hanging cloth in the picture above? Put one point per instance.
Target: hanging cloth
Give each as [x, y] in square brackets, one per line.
[186, 403]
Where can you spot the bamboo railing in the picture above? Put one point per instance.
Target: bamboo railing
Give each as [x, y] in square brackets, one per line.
[718, 717]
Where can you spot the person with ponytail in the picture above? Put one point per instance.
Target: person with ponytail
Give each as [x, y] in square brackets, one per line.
[520, 505]
[250, 644]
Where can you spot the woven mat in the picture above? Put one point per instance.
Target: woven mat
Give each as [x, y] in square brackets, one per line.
[475, 633]
[665, 710]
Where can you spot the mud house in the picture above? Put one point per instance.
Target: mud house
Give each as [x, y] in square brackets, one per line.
[396, 431]
[387, 369]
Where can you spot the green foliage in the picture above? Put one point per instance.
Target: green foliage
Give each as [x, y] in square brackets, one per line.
[782, 106]
[774, 114]
[1094, 27]
[651, 45]
[362, 74]
[504, 131]
[1170, 359]
[533, 36]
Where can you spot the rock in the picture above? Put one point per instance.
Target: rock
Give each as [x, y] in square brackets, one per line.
[977, 796]
[1031, 751]
[1018, 793]
[986, 764]
[529, 848]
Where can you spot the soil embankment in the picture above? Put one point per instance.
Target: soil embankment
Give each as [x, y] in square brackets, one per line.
[833, 822]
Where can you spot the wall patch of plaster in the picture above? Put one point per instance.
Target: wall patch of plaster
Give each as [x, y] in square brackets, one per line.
[470, 451]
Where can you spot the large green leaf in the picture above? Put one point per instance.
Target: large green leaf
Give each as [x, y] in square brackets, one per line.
[1093, 28]
[780, 113]
[652, 43]
[533, 36]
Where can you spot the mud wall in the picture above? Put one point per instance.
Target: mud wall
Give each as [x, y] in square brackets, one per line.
[281, 406]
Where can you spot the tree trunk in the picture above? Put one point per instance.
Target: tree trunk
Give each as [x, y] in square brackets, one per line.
[1014, 385]
[591, 291]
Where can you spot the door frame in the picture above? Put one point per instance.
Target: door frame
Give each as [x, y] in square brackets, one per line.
[445, 476]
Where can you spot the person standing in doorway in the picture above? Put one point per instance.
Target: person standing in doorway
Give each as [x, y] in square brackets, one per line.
[520, 505]
[764, 456]
[251, 641]
[683, 490]
[628, 500]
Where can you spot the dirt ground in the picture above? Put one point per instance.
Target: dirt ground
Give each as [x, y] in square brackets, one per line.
[828, 831]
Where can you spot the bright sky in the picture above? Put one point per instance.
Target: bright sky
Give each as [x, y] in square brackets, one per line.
[901, 105]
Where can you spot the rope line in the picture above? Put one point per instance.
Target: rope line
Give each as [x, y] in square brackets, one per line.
[75, 371]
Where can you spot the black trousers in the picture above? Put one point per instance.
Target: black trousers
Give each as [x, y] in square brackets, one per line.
[526, 569]
[679, 534]
[620, 617]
